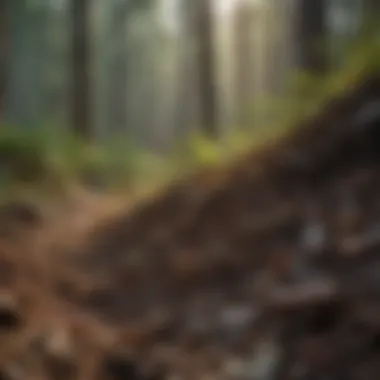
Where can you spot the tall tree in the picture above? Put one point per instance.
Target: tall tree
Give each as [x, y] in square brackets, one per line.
[371, 12]
[311, 33]
[205, 62]
[81, 69]
[58, 63]
[117, 66]
[3, 51]
[374, 6]
[25, 87]
[186, 113]
[243, 43]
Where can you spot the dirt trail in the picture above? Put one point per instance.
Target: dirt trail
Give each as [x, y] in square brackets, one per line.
[267, 270]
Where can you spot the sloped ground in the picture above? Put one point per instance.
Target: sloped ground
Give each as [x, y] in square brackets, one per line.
[267, 270]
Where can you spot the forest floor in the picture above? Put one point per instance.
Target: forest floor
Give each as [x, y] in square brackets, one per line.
[267, 269]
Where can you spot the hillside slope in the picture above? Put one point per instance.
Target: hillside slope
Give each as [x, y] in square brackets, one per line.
[268, 269]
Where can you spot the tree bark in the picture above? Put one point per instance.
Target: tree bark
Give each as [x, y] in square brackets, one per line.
[205, 60]
[186, 113]
[243, 19]
[371, 13]
[4, 53]
[26, 81]
[374, 6]
[310, 35]
[117, 76]
[81, 105]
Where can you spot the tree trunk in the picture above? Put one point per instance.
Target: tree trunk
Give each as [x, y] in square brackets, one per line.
[117, 68]
[374, 6]
[206, 67]
[371, 13]
[25, 92]
[81, 105]
[4, 54]
[310, 35]
[243, 47]
[186, 111]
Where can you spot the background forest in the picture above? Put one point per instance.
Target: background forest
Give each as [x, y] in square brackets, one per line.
[147, 88]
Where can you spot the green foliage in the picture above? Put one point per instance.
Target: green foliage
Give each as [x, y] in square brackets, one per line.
[306, 93]
[49, 159]
[203, 150]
